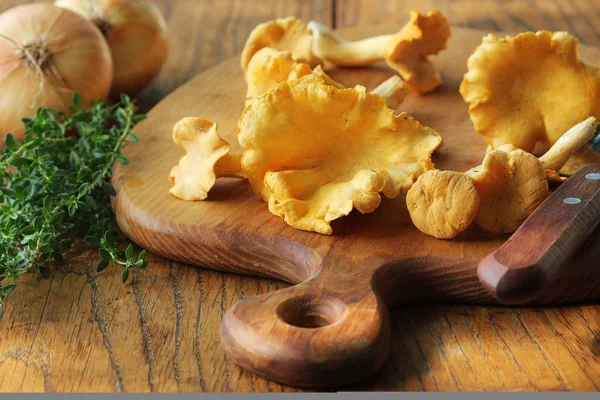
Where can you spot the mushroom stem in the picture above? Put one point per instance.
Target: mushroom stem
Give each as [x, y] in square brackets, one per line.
[568, 144]
[327, 46]
[393, 91]
[405, 51]
[229, 166]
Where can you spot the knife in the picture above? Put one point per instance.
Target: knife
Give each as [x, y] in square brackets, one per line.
[517, 271]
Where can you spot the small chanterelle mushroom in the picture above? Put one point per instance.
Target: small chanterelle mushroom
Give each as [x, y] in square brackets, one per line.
[289, 34]
[528, 89]
[511, 184]
[497, 195]
[207, 158]
[443, 204]
[314, 152]
[269, 67]
[406, 51]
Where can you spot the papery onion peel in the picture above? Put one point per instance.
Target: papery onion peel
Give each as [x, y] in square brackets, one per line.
[46, 55]
[136, 33]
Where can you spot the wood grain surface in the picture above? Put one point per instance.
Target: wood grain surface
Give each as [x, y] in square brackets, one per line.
[75, 330]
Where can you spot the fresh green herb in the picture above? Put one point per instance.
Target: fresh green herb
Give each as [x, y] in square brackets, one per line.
[56, 184]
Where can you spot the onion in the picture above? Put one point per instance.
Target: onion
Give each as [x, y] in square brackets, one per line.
[46, 55]
[136, 33]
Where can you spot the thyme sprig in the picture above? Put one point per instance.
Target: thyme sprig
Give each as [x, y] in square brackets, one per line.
[55, 185]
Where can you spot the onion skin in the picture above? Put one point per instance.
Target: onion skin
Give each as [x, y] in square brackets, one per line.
[136, 33]
[78, 61]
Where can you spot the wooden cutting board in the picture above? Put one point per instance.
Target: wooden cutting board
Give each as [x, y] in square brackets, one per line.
[332, 328]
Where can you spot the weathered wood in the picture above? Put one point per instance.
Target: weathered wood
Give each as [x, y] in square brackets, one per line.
[56, 324]
[578, 17]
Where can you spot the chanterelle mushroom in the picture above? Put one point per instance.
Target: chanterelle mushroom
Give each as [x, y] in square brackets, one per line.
[513, 183]
[529, 89]
[406, 52]
[207, 158]
[269, 67]
[443, 204]
[509, 185]
[315, 152]
[289, 34]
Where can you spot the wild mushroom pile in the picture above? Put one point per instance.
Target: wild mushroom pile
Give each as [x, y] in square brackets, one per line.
[550, 91]
[315, 150]
[405, 52]
[269, 67]
[498, 195]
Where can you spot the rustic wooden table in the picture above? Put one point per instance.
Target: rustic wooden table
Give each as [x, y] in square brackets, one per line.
[77, 331]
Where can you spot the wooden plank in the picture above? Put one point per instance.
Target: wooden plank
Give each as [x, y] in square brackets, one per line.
[579, 17]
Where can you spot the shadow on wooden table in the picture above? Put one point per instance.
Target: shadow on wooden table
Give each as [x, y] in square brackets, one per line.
[493, 348]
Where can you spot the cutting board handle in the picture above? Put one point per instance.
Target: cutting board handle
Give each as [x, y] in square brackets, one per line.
[305, 336]
[517, 271]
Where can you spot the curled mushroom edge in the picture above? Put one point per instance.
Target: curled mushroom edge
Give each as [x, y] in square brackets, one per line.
[208, 157]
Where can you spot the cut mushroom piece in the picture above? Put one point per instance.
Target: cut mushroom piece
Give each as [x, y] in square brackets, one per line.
[527, 90]
[207, 158]
[315, 152]
[289, 34]
[269, 67]
[406, 51]
[443, 204]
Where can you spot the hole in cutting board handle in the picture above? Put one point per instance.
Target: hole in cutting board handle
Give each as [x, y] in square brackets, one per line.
[311, 312]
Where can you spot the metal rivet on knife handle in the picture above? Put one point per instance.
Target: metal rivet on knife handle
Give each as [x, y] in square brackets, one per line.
[594, 176]
[572, 200]
[519, 270]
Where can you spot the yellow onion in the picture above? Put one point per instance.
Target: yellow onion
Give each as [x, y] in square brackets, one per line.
[136, 34]
[46, 55]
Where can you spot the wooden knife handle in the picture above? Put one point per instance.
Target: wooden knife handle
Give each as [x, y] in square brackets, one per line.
[518, 271]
